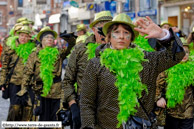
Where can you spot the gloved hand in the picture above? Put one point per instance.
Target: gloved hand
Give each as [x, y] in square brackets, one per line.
[67, 36]
[75, 116]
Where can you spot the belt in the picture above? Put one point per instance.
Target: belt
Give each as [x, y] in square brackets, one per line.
[55, 80]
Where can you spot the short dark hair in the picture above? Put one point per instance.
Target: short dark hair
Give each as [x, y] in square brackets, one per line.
[115, 26]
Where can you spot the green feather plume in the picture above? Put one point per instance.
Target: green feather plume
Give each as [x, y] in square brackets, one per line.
[179, 78]
[91, 48]
[11, 42]
[127, 69]
[24, 50]
[11, 32]
[142, 42]
[48, 57]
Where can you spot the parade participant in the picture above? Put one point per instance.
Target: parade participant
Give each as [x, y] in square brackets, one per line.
[19, 20]
[81, 33]
[175, 92]
[166, 25]
[120, 82]
[190, 38]
[45, 67]
[14, 58]
[77, 63]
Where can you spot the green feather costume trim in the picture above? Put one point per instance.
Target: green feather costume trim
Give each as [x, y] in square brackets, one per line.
[127, 69]
[179, 78]
[11, 42]
[11, 32]
[143, 43]
[91, 48]
[24, 50]
[48, 57]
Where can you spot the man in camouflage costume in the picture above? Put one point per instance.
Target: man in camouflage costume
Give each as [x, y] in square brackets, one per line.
[77, 63]
[12, 61]
[45, 106]
[181, 116]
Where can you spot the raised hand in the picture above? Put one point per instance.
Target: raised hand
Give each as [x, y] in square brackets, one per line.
[150, 28]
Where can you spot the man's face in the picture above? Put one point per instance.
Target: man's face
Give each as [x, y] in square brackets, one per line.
[120, 38]
[165, 26]
[23, 38]
[186, 57]
[48, 41]
[99, 38]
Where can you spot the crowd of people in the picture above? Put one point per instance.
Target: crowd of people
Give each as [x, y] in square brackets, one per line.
[130, 75]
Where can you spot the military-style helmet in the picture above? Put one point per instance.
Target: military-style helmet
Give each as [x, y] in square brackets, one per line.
[22, 19]
[31, 22]
[25, 23]
[165, 23]
[101, 16]
[25, 29]
[44, 30]
[81, 27]
[17, 27]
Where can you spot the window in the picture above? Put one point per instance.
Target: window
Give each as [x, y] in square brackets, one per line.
[1, 18]
[20, 3]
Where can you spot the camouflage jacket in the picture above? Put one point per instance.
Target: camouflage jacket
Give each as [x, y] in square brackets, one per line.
[75, 68]
[99, 96]
[8, 59]
[181, 111]
[32, 72]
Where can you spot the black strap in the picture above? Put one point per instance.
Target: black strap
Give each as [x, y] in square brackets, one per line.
[141, 104]
[11, 72]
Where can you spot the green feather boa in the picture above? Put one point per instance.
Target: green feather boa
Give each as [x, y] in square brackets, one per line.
[91, 48]
[127, 69]
[11, 42]
[143, 43]
[24, 50]
[48, 57]
[179, 78]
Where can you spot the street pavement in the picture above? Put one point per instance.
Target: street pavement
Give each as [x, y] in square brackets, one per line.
[4, 107]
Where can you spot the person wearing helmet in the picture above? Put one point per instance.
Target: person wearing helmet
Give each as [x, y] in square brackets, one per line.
[45, 67]
[77, 63]
[13, 62]
[81, 33]
[118, 87]
[175, 92]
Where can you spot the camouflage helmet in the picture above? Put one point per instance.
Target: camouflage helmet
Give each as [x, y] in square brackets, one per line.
[31, 22]
[101, 16]
[166, 23]
[25, 23]
[22, 19]
[17, 27]
[81, 27]
[25, 29]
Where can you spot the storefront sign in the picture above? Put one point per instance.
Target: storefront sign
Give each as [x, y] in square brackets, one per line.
[131, 15]
[74, 4]
[152, 12]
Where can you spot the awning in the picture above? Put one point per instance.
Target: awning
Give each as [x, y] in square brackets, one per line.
[55, 18]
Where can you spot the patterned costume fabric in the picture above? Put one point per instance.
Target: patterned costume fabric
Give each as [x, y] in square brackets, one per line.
[181, 111]
[75, 69]
[9, 58]
[99, 98]
[32, 69]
